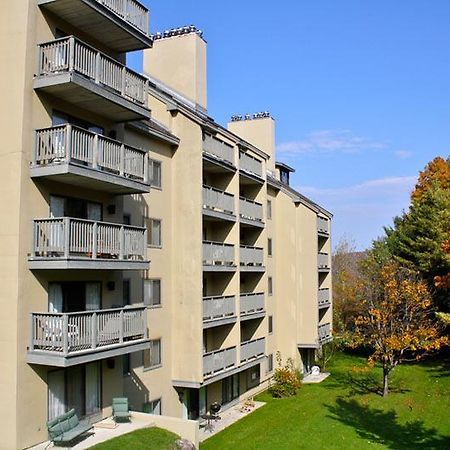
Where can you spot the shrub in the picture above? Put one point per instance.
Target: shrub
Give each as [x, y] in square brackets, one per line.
[287, 379]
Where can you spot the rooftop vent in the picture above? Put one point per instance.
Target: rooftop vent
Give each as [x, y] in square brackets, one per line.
[178, 32]
[259, 115]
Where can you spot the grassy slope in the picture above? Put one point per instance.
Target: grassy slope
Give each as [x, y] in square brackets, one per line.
[344, 412]
[144, 439]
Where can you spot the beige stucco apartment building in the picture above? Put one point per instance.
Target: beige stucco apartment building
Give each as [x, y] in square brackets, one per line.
[145, 250]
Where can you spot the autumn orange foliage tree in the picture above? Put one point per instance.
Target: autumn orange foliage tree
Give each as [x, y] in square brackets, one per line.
[436, 173]
[397, 320]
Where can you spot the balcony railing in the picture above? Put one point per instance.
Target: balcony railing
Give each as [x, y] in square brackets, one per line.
[219, 307]
[324, 332]
[251, 210]
[218, 253]
[219, 149]
[251, 256]
[131, 11]
[252, 349]
[218, 200]
[323, 260]
[250, 164]
[252, 303]
[66, 238]
[323, 225]
[66, 334]
[71, 144]
[72, 55]
[324, 297]
[218, 361]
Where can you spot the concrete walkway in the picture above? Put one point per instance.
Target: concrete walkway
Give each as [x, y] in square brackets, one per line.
[227, 418]
[310, 379]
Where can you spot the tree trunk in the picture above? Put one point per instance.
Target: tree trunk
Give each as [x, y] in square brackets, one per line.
[385, 381]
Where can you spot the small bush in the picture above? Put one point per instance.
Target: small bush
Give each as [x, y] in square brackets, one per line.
[287, 379]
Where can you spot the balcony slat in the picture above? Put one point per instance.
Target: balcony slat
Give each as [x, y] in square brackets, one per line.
[249, 209]
[252, 349]
[251, 256]
[219, 307]
[218, 148]
[250, 164]
[218, 200]
[217, 253]
[219, 360]
[252, 303]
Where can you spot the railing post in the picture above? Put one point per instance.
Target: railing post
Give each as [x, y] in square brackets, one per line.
[97, 67]
[94, 240]
[65, 334]
[95, 152]
[66, 222]
[71, 54]
[121, 327]
[146, 162]
[121, 242]
[122, 160]
[94, 330]
[144, 320]
[124, 77]
[68, 143]
[31, 342]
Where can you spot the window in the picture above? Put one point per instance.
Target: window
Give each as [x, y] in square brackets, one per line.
[126, 365]
[269, 247]
[270, 363]
[126, 292]
[253, 376]
[127, 219]
[152, 292]
[270, 324]
[152, 357]
[153, 407]
[154, 232]
[155, 173]
[269, 209]
[270, 285]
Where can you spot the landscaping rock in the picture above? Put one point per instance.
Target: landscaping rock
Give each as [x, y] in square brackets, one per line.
[184, 444]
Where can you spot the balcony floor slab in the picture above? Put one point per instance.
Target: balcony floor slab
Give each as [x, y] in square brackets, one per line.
[35, 263]
[250, 222]
[219, 322]
[218, 268]
[254, 315]
[218, 215]
[252, 268]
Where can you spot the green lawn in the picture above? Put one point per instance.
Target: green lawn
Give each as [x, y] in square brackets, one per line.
[345, 412]
[144, 439]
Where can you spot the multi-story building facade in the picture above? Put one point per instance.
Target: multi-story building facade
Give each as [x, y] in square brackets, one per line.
[145, 250]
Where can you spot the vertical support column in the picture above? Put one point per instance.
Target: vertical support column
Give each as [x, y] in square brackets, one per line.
[122, 160]
[71, 54]
[68, 143]
[94, 329]
[121, 242]
[123, 90]
[98, 67]
[65, 334]
[31, 341]
[146, 163]
[94, 240]
[95, 152]
[121, 327]
[66, 231]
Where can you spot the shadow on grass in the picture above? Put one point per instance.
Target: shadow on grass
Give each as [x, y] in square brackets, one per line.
[440, 369]
[382, 427]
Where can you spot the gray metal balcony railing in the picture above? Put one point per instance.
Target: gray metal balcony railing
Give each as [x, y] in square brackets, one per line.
[131, 11]
[323, 225]
[66, 238]
[71, 144]
[252, 303]
[323, 260]
[219, 307]
[252, 349]
[250, 164]
[66, 334]
[219, 149]
[324, 332]
[324, 296]
[249, 209]
[218, 200]
[219, 361]
[251, 256]
[218, 253]
[69, 54]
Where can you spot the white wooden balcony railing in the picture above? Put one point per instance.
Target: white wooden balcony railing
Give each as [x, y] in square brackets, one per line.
[66, 334]
[323, 225]
[218, 361]
[251, 210]
[71, 144]
[131, 11]
[218, 253]
[69, 54]
[251, 256]
[252, 349]
[324, 332]
[218, 148]
[219, 307]
[323, 260]
[324, 296]
[252, 303]
[67, 238]
[218, 200]
[250, 164]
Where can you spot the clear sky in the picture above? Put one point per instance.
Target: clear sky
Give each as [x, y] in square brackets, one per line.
[360, 91]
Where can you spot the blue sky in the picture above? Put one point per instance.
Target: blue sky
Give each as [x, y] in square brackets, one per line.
[360, 91]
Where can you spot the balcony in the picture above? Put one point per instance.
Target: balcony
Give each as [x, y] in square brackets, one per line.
[219, 361]
[252, 259]
[66, 243]
[121, 25]
[218, 204]
[323, 262]
[252, 306]
[66, 339]
[325, 333]
[323, 226]
[250, 213]
[219, 310]
[75, 156]
[218, 257]
[250, 168]
[75, 72]
[252, 350]
[219, 153]
[324, 298]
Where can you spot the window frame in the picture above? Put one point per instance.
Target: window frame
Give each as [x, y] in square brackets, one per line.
[151, 366]
[151, 164]
[269, 209]
[270, 324]
[269, 247]
[148, 303]
[270, 286]
[149, 225]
